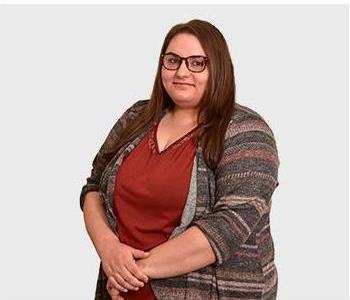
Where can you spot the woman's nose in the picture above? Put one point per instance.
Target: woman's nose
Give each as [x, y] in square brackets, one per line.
[183, 70]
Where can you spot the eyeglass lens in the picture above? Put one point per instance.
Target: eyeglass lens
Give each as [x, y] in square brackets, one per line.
[195, 63]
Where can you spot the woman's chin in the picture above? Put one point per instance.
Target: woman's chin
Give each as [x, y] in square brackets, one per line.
[182, 96]
[182, 99]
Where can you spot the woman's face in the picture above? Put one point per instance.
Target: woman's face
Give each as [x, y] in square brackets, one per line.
[188, 94]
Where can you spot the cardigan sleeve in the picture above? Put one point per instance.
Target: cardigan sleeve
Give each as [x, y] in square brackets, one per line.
[245, 180]
[107, 150]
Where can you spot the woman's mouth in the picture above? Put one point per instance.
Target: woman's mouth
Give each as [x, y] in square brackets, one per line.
[183, 84]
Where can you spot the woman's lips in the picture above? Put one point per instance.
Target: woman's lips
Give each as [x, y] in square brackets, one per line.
[183, 83]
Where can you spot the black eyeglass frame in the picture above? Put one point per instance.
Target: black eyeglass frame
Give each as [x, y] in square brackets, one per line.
[206, 59]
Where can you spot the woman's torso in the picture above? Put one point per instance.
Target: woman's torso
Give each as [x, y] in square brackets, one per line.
[151, 190]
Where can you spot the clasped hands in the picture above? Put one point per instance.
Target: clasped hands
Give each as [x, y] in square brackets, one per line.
[121, 268]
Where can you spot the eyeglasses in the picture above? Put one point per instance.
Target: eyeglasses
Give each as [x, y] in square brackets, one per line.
[194, 63]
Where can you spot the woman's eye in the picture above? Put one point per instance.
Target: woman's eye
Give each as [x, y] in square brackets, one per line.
[197, 63]
[173, 60]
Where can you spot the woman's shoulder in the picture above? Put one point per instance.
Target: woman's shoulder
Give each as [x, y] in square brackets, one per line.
[245, 118]
[139, 104]
[242, 111]
[134, 109]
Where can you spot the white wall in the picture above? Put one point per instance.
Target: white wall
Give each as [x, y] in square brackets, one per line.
[67, 72]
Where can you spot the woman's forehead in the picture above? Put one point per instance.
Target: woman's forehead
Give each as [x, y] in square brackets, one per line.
[185, 44]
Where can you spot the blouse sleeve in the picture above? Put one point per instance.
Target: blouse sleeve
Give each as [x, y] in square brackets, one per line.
[106, 152]
[246, 178]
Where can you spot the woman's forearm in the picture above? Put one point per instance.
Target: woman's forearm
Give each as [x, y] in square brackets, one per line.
[96, 221]
[185, 253]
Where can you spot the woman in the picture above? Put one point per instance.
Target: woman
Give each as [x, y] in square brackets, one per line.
[178, 201]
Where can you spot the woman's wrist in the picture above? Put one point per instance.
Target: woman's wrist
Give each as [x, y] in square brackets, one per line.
[144, 267]
[107, 239]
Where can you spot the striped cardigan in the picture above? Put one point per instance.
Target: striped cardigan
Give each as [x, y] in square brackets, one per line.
[231, 206]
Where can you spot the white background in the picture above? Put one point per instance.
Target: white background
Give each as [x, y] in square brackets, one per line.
[68, 72]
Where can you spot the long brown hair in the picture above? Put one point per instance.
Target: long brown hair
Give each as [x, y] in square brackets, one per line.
[217, 103]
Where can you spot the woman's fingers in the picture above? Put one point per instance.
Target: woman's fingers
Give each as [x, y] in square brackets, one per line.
[125, 284]
[115, 284]
[114, 293]
[130, 278]
[135, 270]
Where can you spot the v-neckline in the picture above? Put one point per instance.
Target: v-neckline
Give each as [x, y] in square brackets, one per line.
[155, 131]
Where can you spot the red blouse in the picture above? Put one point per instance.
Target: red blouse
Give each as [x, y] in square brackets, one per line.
[150, 193]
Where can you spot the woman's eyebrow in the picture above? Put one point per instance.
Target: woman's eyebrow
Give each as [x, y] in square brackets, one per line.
[172, 53]
[181, 56]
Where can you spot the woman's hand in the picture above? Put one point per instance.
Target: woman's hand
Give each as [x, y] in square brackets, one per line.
[118, 262]
[113, 292]
[141, 264]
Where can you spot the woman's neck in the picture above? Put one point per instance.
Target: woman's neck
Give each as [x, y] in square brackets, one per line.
[183, 117]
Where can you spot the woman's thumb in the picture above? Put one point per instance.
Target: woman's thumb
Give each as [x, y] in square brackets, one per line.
[140, 253]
